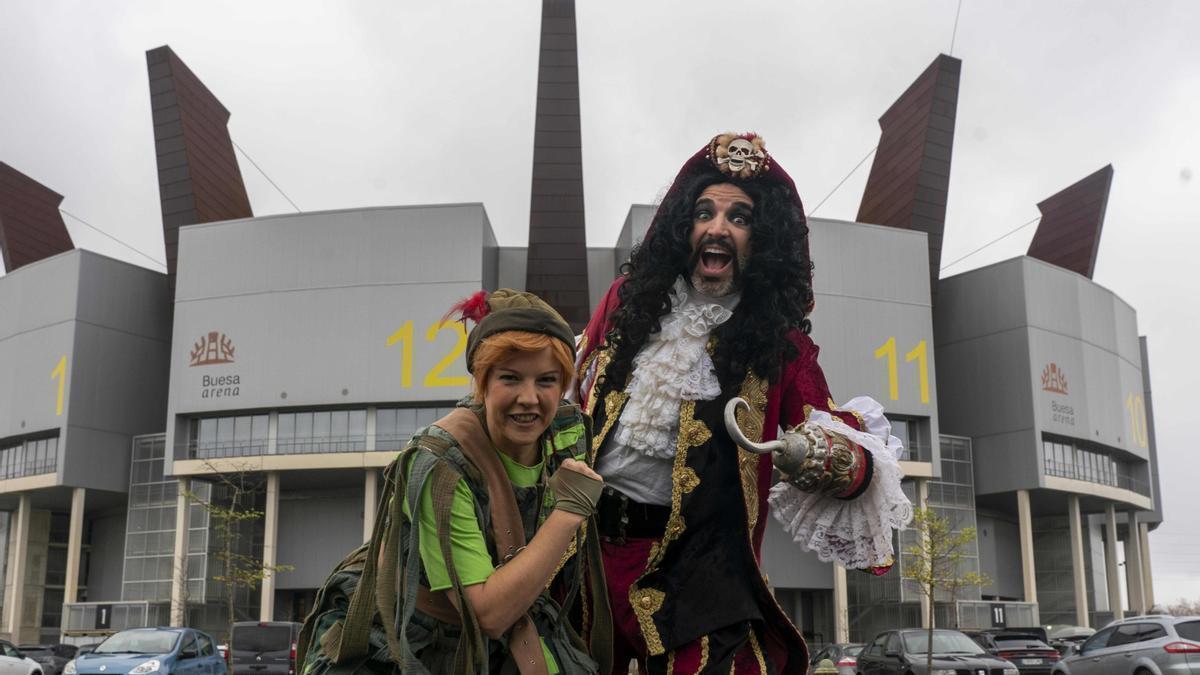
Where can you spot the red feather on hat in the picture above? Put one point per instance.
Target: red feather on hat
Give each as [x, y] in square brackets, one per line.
[473, 307]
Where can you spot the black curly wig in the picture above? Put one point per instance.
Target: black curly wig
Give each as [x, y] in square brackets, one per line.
[775, 284]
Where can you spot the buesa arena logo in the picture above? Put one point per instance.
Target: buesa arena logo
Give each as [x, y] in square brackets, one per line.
[213, 349]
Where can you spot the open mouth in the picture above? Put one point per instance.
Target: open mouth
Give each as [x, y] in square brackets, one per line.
[715, 260]
[524, 418]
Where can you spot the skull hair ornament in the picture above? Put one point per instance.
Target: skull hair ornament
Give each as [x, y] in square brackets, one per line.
[740, 156]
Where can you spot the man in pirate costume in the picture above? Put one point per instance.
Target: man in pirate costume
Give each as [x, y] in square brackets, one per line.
[714, 306]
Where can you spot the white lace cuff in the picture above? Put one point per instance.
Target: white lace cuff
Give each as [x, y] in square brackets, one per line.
[857, 533]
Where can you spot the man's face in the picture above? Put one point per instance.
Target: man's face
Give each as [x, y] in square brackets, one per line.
[720, 238]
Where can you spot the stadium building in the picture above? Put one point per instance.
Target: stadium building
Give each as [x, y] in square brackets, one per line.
[284, 360]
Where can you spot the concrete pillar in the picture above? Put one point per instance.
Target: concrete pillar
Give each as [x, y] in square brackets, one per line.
[1077, 568]
[179, 585]
[841, 606]
[1147, 577]
[14, 613]
[370, 501]
[923, 503]
[74, 545]
[1028, 571]
[1115, 604]
[1133, 566]
[270, 542]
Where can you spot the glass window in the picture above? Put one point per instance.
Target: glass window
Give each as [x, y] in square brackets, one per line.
[339, 424]
[1188, 630]
[1098, 641]
[224, 431]
[304, 430]
[320, 425]
[358, 423]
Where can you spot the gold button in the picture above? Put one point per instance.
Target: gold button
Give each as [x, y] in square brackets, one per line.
[646, 601]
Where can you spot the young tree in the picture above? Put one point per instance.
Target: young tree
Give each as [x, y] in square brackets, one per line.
[232, 510]
[935, 563]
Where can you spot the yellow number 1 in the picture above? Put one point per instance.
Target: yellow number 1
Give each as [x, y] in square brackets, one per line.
[405, 337]
[60, 372]
[920, 355]
[889, 350]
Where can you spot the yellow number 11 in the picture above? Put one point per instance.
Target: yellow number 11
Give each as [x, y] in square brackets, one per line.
[59, 373]
[918, 354]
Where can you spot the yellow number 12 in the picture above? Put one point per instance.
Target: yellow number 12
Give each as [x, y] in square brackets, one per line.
[60, 373]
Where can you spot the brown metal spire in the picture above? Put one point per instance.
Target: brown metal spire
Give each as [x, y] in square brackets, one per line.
[557, 264]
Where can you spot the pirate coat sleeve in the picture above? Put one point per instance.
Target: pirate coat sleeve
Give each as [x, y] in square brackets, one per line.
[854, 527]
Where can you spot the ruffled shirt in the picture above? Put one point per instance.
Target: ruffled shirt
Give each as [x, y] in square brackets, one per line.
[673, 366]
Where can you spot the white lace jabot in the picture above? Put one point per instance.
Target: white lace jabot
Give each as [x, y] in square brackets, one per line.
[672, 367]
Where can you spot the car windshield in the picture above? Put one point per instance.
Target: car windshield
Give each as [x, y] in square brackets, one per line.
[944, 642]
[853, 651]
[139, 642]
[37, 651]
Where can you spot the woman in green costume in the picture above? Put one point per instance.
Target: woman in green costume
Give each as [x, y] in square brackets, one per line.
[481, 559]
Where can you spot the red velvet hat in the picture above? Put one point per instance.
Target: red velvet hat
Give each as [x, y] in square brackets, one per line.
[741, 158]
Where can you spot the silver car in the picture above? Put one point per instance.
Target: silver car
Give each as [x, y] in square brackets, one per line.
[1140, 645]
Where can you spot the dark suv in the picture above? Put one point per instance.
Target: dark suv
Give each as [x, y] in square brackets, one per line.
[263, 648]
[904, 652]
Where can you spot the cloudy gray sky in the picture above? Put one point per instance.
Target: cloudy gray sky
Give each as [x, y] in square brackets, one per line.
[350, 104]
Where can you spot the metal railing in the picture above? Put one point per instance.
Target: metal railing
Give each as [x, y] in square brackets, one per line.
[106, 618]
[1076, 472]
[293, 446]
[917, 452]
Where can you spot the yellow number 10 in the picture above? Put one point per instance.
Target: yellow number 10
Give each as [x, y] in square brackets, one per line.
[59, 373]
[918, 354]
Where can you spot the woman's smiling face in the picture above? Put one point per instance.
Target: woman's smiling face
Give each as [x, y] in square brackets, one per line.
[520, 400]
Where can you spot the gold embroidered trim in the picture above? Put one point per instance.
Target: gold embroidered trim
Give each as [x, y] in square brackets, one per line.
[602, 355]
[862, 425]
[692, 433]
[762, 662]
[645, 602]
[754, 391]
[703, 654]
[612, 406]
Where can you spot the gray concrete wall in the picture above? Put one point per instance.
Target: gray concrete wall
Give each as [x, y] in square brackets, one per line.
[601, 274]
[1000, 330]
[107, 322]
[317, 528]
[1000, 555]
[106, 561]
[310, 302]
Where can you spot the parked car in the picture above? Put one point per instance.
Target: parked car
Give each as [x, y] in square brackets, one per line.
[263, 648]
[1068, 639]
[1139, 645]
[52, 657]
[904, 652]
[844, 656]
[161, 651]
[14, 662]
[1026, 649]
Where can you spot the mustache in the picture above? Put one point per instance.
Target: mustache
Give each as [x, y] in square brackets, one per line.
[723, 244]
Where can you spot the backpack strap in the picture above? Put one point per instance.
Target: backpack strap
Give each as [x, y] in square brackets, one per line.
[524, 643]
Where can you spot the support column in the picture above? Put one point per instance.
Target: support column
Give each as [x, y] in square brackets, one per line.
[1133, 565]
[923, 503]
[1115, 603]
[179, 584]
[270, 541]
[14, 609]
[74, 545]
[370, 501]
[841, 606]
[1147, 576]
[1028, 571]
[1077, 568]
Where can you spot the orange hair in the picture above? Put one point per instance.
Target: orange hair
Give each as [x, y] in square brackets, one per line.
[500, 347]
